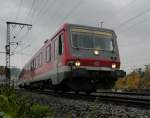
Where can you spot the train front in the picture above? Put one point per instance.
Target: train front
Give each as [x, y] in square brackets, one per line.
[93, 58]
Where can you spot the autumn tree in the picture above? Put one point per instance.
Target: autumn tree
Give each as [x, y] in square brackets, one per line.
[145, 81]
[131, 81]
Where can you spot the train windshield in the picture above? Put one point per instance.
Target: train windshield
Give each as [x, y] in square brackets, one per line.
[92, 41]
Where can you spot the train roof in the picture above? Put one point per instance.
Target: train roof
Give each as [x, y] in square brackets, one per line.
[87, 26]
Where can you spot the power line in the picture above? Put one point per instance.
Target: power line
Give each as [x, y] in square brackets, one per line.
[128, 5]
[27, 16]
[34, 11]
[44, 12]
[135, 24]
[72, 10]
[43, 6]
[132, 18]
[18, 11]
[22, 53]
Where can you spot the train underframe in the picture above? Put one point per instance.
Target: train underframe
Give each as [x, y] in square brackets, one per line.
[89, 80]
[80, 80]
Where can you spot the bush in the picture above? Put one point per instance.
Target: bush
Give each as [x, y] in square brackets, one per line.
[14, 106]
[131, 81]
[38, 111]
[145, 82]
[4, 104]
[120, 84]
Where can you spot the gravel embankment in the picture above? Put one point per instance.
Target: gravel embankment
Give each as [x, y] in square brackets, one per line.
[67, 108]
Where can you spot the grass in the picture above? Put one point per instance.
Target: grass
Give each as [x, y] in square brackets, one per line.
[14, 106]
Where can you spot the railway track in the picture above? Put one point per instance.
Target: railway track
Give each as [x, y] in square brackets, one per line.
[127, 98]
[126, 93]
[121, 98]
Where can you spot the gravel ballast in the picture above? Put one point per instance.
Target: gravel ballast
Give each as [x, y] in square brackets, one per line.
[68, 108]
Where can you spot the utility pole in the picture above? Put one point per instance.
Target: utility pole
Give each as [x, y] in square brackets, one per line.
[7, 48]
[101, 24]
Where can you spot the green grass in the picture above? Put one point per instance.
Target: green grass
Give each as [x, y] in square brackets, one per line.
[14, 106]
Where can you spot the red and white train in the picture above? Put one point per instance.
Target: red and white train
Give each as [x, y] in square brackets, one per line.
[79, 58]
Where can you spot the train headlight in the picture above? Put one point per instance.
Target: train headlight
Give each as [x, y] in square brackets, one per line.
[114, 66]
[96, 52]
[77, 63]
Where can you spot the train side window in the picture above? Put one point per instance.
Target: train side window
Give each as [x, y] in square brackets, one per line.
[34, 63]
[61, 45]
[48, 53]
[40, 58]
[56, 48]
[37, 63]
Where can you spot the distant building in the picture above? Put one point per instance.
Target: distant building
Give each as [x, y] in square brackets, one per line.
[147, 66]
[14, 73]
[2, 77]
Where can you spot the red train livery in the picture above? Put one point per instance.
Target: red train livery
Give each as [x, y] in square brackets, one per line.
[80, 58]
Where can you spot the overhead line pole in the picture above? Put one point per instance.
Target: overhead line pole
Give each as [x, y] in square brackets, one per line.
[7, 48]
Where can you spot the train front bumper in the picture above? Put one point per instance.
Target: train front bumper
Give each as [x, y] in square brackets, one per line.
[88, 73]
[118, 73]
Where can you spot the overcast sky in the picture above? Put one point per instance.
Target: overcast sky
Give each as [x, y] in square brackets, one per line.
[129, 18]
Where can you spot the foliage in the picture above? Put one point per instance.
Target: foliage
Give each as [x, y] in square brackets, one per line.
[39, 111]
[92, 113]
[4, 103]
[131, 81]
[120, 83]
[145, 83]
[2, 70]
[134, 80]
[14, 106]
[7, 91]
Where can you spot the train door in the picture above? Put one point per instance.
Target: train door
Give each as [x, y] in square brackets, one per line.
[56, 61]
[58, 53]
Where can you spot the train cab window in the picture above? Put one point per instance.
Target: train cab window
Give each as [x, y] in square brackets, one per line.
[48, 53]
[60, 45]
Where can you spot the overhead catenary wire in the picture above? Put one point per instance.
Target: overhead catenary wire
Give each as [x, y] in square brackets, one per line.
[127, 6]
[21, 51]
[42, 12]
[135, 24]
[31, 18]
[43, 7]
[30, 10]
[33, 12]
[132, 18]
[18, 11]
[69, 13]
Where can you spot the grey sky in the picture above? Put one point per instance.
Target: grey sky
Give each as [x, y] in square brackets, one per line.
[129, 18]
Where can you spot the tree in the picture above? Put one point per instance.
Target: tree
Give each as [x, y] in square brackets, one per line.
[2, 70]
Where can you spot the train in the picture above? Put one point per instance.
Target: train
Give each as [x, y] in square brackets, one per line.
[76, 57]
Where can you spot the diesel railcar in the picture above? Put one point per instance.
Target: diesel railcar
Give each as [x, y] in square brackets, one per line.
[76, 57]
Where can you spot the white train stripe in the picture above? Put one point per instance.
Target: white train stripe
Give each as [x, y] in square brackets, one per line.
[47, 75]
